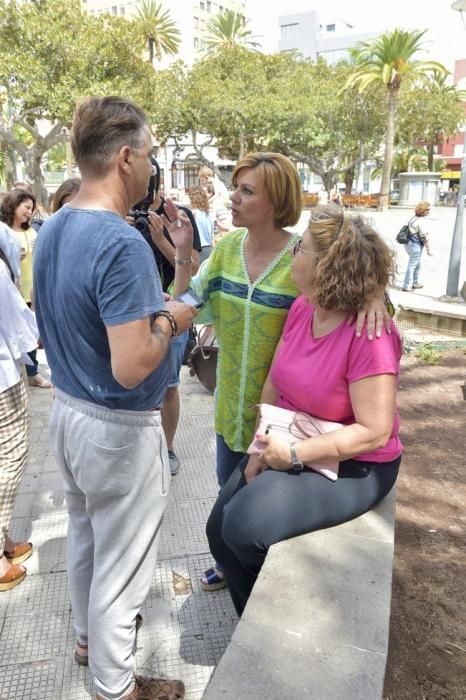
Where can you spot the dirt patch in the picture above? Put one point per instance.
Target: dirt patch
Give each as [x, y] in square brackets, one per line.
[427, 648]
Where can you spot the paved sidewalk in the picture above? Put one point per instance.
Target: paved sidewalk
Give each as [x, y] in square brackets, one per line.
[185, 629]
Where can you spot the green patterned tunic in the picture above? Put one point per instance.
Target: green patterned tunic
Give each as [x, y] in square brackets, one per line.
[248, 319]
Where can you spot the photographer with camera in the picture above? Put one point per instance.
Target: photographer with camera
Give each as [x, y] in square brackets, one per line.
[143, 218]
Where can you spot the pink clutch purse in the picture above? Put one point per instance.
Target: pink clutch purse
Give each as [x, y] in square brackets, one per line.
[292, 426]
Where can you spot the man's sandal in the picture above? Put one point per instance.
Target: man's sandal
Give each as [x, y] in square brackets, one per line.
[211, 581]
[81, 655]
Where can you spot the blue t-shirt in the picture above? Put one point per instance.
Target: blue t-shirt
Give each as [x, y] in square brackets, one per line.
[92, 270]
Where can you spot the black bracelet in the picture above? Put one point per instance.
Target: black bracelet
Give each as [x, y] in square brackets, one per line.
[170, 318]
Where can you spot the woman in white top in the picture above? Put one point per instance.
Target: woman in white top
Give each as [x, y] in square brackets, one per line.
[18, 336]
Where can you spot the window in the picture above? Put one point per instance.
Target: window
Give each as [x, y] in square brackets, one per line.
[458, 150]
[330, 27]
[209, 6]
[289, 31]
[114, 10]
[196, 22]
[122, 10]
[202, 5]
[196, 42]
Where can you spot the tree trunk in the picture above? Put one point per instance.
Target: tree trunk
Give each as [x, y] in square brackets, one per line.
[327, 179]
[430, 157]
[349, 177]
[360, 182]
[242, 142]
[34, 173]
[389, 140]
[151, 51]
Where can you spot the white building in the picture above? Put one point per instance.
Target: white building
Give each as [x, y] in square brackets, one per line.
[307, 33]
[190, 17]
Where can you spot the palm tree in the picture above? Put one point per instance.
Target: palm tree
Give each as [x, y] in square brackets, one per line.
[159, 30]
[228, 30]
[389, 61]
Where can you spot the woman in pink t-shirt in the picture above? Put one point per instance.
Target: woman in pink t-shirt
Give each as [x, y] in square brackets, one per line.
[321, 368]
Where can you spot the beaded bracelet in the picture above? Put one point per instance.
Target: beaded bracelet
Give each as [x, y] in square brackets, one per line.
[170, 318]
[188, 261]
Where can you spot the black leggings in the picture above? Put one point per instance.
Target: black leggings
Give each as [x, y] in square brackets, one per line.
[248, 518]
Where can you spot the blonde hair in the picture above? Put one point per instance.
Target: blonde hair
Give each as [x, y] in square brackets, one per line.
[422, 208]
[353, 262]
[198, 198]
[279, 179]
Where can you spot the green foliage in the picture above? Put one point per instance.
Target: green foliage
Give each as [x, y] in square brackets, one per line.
[429, 355]
[248, 101]
[228, 30]
[430, 113]
[56, 159]
[313, 120]
[51, 54]
[220, 97]
[158, 29]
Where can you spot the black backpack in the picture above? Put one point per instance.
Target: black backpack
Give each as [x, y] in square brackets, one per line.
[404, 234]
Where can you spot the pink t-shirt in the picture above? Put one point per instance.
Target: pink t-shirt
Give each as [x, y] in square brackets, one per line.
[314, 374]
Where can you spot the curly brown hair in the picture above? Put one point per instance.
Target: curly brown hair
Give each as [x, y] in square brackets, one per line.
[354, 262]
[198, 198]
[12, 201]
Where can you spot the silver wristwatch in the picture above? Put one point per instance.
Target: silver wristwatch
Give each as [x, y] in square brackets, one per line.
[296, 464]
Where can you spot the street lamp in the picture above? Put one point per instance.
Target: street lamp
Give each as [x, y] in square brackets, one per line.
[455, 250]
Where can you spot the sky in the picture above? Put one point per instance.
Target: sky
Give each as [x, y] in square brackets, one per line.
[444, 41]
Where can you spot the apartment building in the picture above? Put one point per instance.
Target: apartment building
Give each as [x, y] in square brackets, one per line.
[317, 37]
[190, 17]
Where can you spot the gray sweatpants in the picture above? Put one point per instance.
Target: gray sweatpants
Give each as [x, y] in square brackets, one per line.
[117, 477]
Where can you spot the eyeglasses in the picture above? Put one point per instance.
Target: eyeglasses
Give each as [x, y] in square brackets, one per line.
[297, 248]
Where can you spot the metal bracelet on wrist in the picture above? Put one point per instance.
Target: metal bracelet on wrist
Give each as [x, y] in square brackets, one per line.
[170, 318]
[186, 261]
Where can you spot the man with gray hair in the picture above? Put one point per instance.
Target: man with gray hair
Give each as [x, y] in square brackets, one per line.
[106, 329]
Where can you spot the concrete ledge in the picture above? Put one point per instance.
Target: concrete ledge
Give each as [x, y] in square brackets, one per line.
[317, 623]
[422, 311]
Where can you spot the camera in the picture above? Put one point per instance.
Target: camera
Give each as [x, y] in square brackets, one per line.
[140, 211]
